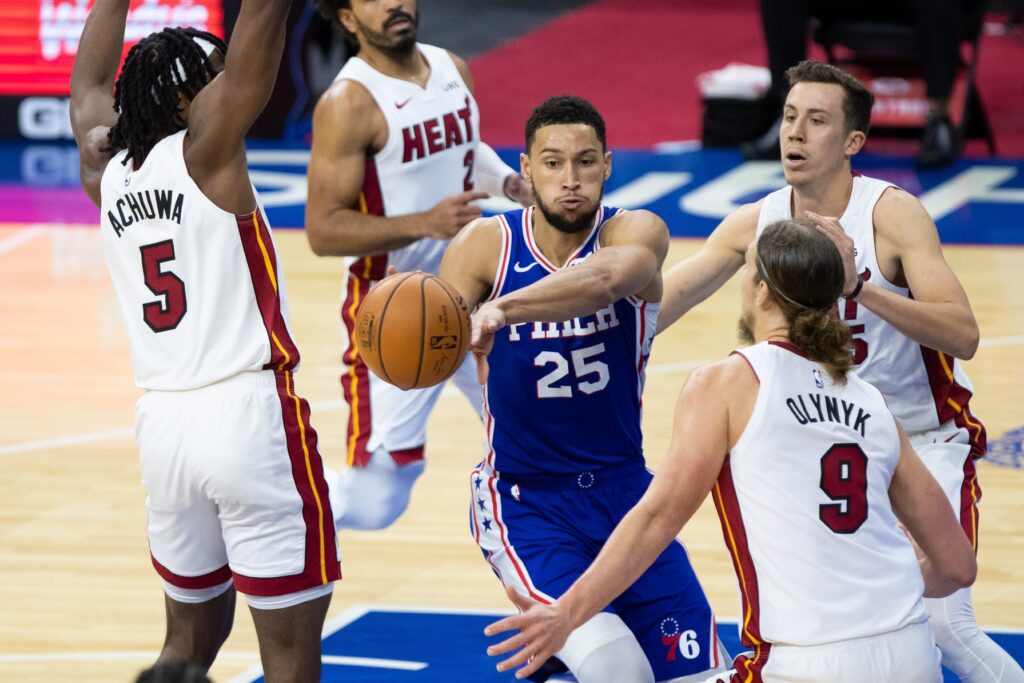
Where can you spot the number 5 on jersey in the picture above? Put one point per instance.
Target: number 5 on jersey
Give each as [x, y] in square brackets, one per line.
[162, 315]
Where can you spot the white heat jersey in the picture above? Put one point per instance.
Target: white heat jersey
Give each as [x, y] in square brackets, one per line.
[803, 498]
[200, 289]
[923, 387]
[429, 154]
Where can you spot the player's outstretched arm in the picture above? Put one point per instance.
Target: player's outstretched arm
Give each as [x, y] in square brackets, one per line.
[469, 264]
[628, 263]
[705, 420]
[225, 109]
[694, 279]
[347, 127]
[92, 88]
[939, 315]
[947, 559]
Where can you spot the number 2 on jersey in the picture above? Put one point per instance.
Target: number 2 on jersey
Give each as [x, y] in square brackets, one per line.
[844, 478]
[165, 315]
[467, 183]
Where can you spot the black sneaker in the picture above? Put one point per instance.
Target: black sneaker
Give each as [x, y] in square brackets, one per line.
[551, 668]
[939, 143]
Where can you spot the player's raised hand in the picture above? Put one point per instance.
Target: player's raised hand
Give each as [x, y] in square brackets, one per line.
[518, 190]
[487, 320]
[543, 630]
[451, 214]
[831, 227]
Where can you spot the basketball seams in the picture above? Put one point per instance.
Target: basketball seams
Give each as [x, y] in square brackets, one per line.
[423, 327]
[380, 324]
[456, 307]
[421, 359]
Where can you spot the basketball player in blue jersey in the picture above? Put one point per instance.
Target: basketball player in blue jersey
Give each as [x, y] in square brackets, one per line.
[568, 296]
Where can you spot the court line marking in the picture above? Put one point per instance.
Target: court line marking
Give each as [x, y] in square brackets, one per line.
[450, 390]
[20, 238]
[330, 628]
[151, 655]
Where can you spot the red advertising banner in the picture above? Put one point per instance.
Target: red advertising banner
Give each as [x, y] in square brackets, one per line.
[39, 38]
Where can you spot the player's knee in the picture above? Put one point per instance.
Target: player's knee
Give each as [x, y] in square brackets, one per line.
[619, 660]
[604, 649]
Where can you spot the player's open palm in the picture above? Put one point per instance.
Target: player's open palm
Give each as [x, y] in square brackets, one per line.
[451, 214]
[543, 630]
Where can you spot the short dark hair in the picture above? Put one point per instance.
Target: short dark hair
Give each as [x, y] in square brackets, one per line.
[804, 273]
[564, 109]
[156, 71]
[328, 9]
[857, 101]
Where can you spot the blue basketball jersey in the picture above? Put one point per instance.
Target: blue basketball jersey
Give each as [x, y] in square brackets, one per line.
[563, 398]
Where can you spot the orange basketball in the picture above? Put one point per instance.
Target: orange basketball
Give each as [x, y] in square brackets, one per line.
[413, 330]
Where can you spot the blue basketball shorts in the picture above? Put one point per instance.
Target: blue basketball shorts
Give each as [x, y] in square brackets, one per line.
[540, 533]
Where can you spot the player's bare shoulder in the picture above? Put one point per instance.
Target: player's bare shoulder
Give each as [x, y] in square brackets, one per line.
[480, 238]
[727, 388]
[638, 225]
[730, 376]
[901, 219]
[348, 112]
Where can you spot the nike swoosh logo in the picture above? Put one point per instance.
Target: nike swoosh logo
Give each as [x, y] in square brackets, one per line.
[399, 106]
[522, 269]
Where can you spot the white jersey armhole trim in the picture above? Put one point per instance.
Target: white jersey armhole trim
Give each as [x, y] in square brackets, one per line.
[872, 204]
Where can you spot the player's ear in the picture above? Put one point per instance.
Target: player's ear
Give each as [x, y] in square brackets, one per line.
[854, 142]
[607, 164]
[763, 294]
[347, 19]
[524, 166]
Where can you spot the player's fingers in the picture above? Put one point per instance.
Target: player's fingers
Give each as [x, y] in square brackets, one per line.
[471, 196]
[510, 644]
[518, 599]
[392, 270]
[533, 664]
[500, 626]
[522, 656]
[469, 212]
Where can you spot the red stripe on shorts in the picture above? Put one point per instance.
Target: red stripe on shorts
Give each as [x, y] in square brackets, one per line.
[209, 580]
[321, 560]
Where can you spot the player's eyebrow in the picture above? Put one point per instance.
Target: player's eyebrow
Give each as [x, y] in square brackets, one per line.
[556, 150]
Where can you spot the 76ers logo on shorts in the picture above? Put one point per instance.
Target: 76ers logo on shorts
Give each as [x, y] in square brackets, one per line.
[677, 640]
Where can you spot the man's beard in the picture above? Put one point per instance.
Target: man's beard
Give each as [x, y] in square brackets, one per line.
[400, 46]
[745, 331]
[582, 222]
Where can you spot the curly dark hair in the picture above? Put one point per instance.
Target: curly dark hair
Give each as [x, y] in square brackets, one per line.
[328, 9]
[146, 92]
[564, 109]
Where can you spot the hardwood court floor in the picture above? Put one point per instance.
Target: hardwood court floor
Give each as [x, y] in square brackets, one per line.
[78, 597]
